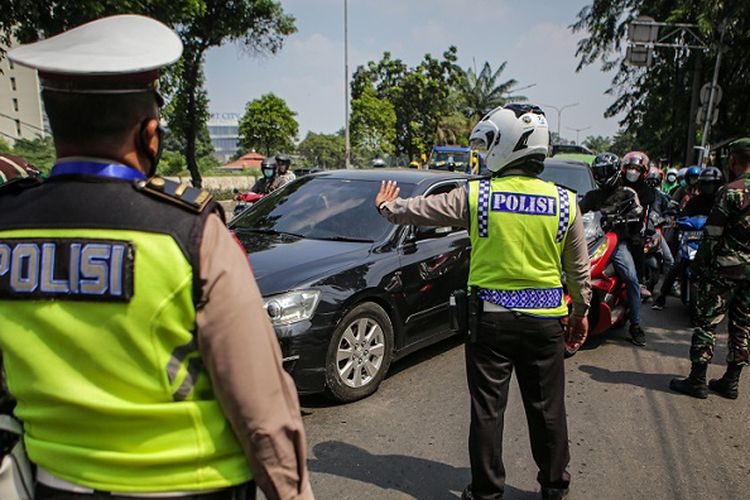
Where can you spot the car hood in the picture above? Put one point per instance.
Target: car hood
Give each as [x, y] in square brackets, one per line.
[281, 262]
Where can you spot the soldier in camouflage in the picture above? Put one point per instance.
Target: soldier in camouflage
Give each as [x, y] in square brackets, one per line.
[723, 268]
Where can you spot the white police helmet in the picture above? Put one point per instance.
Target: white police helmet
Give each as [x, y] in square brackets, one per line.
[511, 133]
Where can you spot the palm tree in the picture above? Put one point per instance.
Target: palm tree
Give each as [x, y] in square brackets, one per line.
[481, 92]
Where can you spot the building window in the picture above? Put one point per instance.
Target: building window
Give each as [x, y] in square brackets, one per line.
[15, 104]
[13, 83]
[18, 128]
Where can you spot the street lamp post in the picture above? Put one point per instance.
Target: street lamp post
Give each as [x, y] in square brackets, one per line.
[347, 147]
[559, 113]
[577, 131]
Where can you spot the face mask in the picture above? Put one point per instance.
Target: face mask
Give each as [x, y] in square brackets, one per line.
[671, 178]
[153, 158]
[693, 181]
[267, 172]
[632, 175]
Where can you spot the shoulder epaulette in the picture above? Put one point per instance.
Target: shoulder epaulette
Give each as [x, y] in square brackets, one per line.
[188, 197]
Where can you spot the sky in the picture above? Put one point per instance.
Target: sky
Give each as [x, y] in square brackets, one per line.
[532, 36]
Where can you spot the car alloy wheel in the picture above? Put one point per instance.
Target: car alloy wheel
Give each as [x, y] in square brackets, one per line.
[360, 353]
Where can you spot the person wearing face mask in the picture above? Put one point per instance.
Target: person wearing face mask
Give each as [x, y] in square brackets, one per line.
[723, 271]
[284, 175]
[670, 181]
[689, 188]
[635, 170]
[133, 334]
[268, 176]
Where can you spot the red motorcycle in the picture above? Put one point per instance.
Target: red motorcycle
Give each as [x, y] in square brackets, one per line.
[245, 201]
[609, 302]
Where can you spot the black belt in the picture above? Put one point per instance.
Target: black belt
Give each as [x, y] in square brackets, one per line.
[244, 491]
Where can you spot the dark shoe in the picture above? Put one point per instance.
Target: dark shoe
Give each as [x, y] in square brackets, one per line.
[728, 385]
[554, 493]
[467, 495]
[659, 303]
[695, 384]
[637, 336]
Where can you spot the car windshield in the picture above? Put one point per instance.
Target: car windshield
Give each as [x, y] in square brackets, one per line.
[321, 208]
[577, 178]
[457, 157]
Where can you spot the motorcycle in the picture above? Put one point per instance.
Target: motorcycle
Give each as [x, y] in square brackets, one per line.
[245, 201]
[654, 258]
[690, 234]
[609, 302]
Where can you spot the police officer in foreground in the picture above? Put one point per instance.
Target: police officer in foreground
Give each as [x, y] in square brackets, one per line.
[524, 233]
[134, 336]
[723, 270]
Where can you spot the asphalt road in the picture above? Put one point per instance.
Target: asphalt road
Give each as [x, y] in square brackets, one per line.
[630, 436]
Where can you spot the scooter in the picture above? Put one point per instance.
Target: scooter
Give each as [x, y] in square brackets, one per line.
[690, 236]
[609, 302]
[245, 201]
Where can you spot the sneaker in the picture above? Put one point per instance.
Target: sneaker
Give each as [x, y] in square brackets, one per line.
[467, 495]
[637, 336]
[659, 303]
[554, 493]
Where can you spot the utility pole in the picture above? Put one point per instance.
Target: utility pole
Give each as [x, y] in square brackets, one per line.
[712, 97]
[347, 148]
[559, 113]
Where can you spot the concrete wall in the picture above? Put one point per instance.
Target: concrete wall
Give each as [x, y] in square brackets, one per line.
[227, 183]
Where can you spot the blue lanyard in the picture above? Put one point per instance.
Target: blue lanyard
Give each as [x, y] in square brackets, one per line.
[95, 168]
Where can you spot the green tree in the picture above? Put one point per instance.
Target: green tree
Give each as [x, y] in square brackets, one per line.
[260, 26]
[322, 150]
[598, 144]
[657, 101]
[420, 96]
[39, 152]
[623, 142]
[483, 92]
[373, 125]
[4, 146]
[268, 125]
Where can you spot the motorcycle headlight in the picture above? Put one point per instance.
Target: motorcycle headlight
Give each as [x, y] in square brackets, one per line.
[292, 307]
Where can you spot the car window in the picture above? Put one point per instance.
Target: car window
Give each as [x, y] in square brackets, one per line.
[577, 178]
[446, 188]
[321, 207]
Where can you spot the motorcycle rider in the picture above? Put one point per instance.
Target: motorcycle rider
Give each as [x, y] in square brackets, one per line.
[670, 182]
[690, 187]
[661, 208]
[709, 182]
[610, 197]
[634, 172]
[263, 185]
[283, 173]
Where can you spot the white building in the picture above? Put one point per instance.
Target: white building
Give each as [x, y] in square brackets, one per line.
[21, 112]
[224, 131]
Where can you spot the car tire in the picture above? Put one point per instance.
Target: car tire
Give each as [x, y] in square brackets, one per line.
[359, 354]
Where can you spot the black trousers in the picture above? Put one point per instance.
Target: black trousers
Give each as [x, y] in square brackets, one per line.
[241, 492]
[534, 347]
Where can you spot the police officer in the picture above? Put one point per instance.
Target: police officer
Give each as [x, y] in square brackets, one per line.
[134, 336]
[723, 268]
[524, 233]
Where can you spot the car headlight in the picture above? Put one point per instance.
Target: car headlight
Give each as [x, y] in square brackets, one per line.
[292, 307]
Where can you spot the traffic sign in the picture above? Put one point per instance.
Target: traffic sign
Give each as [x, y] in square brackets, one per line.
[706, 94]
[701, 115]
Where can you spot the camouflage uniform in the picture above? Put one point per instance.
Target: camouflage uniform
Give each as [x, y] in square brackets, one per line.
[723, 262]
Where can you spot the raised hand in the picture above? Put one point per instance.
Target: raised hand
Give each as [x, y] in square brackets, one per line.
[388, 192]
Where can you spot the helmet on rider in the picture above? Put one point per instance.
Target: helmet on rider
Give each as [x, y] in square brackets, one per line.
[672, 175]
[510, 136]
[653, 178]
[606, 170]
[681, 176]
[267, 168]
[378, 163]
[710, 180]
[635, 166]
[283, 163]
[692, 174]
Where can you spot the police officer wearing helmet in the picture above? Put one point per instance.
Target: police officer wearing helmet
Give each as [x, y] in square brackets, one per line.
[524, 233]
[133, 333]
